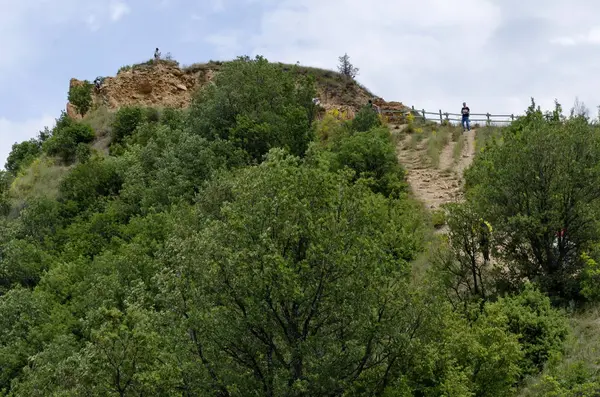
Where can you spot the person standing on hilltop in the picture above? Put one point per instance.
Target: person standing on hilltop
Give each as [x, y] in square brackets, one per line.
[465, 111]
[156, 55]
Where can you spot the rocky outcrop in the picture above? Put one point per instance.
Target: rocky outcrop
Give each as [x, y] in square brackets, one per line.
[161, 85]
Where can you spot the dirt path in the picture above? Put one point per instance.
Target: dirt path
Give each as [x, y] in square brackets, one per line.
[468, 153]
[437, 186]
[447, 156]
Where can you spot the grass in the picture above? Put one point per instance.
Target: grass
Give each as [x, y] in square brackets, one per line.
[203, 66]
[458, 149]
[487, 134]
[100, 119]
[147, 64]
[438, 136]
[397, 137]
[41, 179]
[416, 137]
[438, 139]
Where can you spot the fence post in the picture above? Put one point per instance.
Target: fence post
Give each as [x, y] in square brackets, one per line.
[424, 117]
[441, 119]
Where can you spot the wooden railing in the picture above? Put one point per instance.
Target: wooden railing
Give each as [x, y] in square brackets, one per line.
[440, 116]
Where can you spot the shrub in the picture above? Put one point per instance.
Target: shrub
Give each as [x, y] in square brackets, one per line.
[81, 96]
[330, 129]
[256, 105]
[541, 329]
[372, 155]
[590, 285]
[438, 218]
[83, 152]
[65, 139]
[366, 119]
[125, 68]
[89, 181]
[22, 155]
[125, 122]
[152, 115]
[172, 117]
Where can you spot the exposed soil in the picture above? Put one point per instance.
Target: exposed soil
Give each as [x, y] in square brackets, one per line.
[435, 186]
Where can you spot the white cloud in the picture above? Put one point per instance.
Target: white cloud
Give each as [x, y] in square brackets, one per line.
[92, 22]
[591, 37]
[227, 43]
[395, 44]
[118, 10]
[218, 5]
[494, 54]
[25, 23]
[15, 132]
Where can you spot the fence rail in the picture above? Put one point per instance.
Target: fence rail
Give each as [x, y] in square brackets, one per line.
[448, 117]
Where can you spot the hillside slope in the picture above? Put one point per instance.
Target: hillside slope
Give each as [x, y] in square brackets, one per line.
[437, 181]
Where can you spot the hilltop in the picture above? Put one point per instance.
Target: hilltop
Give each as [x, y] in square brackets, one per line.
[166, 84]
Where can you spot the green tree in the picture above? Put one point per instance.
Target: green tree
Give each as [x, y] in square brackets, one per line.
[27, 322]
[292, 289]
[81, 96]
[258, 106]
[541, 179]
[22, 154]
[462, 261]
[66, 136]
[372, 155]
[366, 118]
[22, 263]
[90, 181]
[346, 68]
[541, 329]
[126, 120]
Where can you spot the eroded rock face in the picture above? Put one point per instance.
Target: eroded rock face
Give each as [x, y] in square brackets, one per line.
[72, 111]
[160, 85]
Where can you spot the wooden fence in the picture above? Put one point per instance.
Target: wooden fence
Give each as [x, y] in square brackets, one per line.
[447, 117]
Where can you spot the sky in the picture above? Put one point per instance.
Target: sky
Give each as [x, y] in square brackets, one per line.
[433, 54]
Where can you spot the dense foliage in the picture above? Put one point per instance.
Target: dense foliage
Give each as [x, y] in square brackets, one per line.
[256, 105]
[539, 188]
[22, 155]
[80, 95]
[242, 248]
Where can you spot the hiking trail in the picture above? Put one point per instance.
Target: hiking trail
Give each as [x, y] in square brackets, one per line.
[436, 185]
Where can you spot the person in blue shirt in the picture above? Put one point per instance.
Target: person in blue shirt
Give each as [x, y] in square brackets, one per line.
[465, 111]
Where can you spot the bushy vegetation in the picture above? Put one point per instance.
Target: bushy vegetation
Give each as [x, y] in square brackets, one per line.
[242, 248]
[22, 155]
[256, 106]
[538, 188]
[65, 138]
[80, 95]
